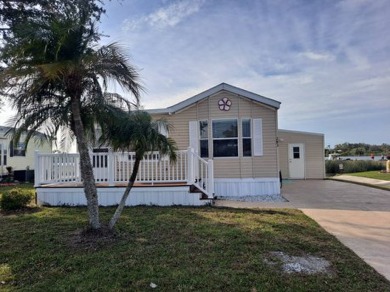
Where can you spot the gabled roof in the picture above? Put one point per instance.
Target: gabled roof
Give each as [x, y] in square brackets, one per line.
[5, 129]
[223, 86]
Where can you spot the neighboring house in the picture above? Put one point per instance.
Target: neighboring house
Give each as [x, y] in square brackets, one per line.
[20, 158]
[229, 145]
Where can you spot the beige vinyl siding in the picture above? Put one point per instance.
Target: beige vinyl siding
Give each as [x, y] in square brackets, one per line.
[283, 155]
[241, 108]
[246, 167]
[202, 110]
[266, 165]
[180, 125]
[314, 152]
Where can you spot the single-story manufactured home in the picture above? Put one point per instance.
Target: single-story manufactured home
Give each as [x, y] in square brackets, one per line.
[20, 158]
[229, 145]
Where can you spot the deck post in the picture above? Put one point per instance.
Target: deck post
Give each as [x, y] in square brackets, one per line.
[190, 166]
[110, 166]
[210, 173]
[37, 168]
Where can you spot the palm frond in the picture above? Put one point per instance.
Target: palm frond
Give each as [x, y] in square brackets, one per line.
[136, 131]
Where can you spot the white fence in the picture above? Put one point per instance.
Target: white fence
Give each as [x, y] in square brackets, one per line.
[111, 168]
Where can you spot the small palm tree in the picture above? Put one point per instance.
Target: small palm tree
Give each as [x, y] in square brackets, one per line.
[136, 131]
[55, 77]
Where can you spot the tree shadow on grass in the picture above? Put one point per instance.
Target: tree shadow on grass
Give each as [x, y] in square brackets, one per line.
[21, 211]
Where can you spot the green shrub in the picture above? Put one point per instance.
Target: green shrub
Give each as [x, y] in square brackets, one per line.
[16, 199]
[351, 166]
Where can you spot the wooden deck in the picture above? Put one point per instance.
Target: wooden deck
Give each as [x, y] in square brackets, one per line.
[112, 170]
[116, 185]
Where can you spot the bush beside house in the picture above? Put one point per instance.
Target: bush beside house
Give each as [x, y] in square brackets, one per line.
[351, 166]
[16, 199]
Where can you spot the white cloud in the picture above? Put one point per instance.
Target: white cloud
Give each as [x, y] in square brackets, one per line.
[174, 13]
[168, 16]
[318, 56]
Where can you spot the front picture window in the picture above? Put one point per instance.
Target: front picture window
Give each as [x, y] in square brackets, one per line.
[225, 138]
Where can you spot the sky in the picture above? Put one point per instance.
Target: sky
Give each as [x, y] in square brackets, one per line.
[327, 62]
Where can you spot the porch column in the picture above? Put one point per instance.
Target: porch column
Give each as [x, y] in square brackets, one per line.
[37, 167]
[111, 167]
[190, 166]
[210, 173]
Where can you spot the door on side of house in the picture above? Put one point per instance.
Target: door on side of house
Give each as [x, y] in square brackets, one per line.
[296, 160]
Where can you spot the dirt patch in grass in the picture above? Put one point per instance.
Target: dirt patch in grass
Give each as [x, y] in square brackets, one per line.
[305, 264]
[90, 239]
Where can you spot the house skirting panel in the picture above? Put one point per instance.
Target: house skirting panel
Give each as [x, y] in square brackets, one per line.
[165, 196]
[240, 187]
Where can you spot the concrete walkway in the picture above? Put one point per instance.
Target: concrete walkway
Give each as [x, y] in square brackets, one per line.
[383, 184]
[359, 216]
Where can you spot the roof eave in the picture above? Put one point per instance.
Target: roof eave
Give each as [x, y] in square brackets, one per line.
[223, 86]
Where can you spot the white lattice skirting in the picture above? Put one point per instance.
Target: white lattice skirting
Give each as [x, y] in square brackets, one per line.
[236, 187]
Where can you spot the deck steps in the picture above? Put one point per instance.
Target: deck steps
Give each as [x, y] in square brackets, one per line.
[195, 189]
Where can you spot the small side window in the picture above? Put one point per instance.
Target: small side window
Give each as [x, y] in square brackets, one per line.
[246, 138]
[204, 138]
[296, 153]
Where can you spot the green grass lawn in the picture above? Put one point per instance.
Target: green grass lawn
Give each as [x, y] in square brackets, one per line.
[372, 174]
[177, 248]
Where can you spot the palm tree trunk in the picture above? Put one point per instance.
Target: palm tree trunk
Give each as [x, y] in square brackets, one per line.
[86, 168]
[122, 203]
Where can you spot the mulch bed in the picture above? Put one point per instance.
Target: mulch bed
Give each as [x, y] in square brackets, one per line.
[7, 184]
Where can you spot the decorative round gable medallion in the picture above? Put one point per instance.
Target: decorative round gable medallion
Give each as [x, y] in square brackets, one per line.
[224, 104]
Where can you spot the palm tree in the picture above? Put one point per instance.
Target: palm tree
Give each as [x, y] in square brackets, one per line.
[136, 131]
[55, 77]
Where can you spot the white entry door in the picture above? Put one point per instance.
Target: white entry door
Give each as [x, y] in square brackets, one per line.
[296, 160]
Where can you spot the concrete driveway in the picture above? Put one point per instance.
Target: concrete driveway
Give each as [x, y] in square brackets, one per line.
[358, 216]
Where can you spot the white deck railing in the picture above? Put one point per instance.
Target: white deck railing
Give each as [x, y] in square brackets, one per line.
[56, 168]
[200, 172]
[111, 168]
